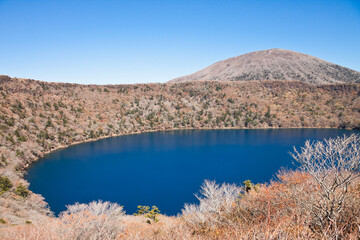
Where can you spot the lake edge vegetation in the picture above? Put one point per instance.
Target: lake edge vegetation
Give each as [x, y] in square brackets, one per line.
[39, 117]
[319, 200]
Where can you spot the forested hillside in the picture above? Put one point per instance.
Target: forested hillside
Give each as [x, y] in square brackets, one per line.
[38, 117]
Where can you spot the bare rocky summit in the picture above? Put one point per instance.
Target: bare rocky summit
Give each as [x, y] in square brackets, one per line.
[274, 64]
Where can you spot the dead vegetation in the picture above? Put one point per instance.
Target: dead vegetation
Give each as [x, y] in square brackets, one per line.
[38, 117]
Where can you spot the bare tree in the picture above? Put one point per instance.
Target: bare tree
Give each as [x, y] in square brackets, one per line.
[215, 202]
[96, 220]
[97, 208]
[334, 164]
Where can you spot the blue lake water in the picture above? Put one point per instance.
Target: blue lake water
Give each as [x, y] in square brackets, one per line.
[164, 168]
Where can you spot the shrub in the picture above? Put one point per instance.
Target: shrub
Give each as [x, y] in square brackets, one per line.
[230, 100]
[152, 213]
[10, 122]
[22, 138]
[5, 184]
[49, 123]
[3, 161]
[22, 191]
[19, 153]
[248, 185]
[142, 210]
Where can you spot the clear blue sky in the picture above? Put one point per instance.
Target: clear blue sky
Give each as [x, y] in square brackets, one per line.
[108, 41]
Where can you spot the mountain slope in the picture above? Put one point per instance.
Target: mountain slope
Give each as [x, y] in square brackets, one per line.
[274, 64]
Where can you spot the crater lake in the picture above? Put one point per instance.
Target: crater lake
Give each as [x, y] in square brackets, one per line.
[164, 168]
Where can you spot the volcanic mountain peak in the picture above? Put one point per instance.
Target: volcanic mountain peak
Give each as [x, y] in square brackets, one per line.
[274, 64]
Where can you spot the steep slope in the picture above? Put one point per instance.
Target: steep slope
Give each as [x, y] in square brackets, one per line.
[274, 64]
[38, 117]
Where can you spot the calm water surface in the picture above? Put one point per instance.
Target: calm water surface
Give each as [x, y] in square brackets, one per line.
[164, 168]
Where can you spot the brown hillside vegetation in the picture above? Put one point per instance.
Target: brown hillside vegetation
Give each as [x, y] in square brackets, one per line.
[37, 117]
[274, 64]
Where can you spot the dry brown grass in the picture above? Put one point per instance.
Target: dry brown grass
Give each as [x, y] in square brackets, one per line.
[279, 210]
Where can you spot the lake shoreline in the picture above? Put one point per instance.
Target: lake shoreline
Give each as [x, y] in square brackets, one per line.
[265, 132]
[164, 130]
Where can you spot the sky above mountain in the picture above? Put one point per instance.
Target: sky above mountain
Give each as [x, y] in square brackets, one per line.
[139, 41]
